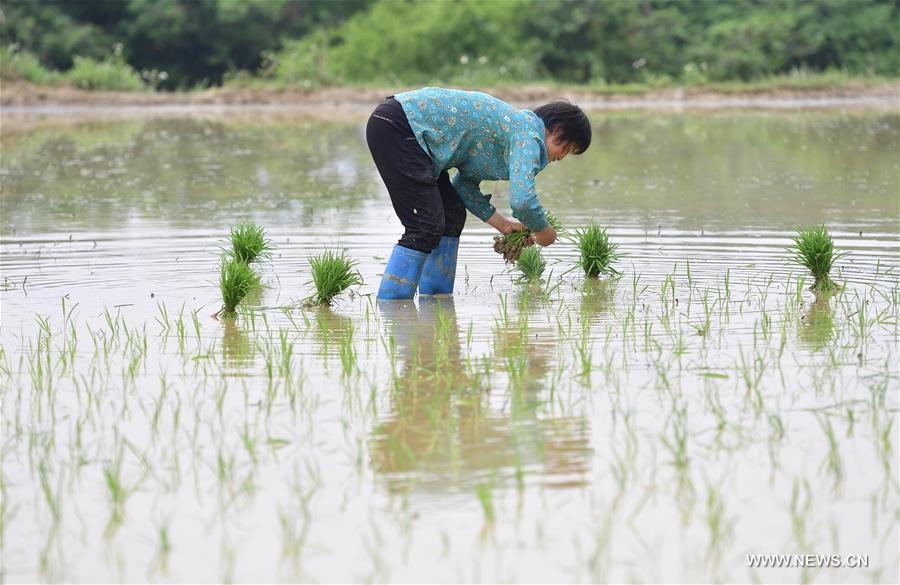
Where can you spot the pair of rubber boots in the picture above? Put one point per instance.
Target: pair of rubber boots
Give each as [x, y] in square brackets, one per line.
[432, 274]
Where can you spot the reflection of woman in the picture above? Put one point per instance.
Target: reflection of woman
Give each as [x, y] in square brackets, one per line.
[441, 424]
[416, 137]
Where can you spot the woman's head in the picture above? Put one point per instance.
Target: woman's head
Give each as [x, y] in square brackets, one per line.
[568, 128]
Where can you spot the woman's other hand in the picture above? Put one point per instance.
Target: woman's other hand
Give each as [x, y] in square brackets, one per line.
[546, 236]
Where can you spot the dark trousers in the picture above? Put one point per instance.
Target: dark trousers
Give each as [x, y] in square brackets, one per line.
[427, 205]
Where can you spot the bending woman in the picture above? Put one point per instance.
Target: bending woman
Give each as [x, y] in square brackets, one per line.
[417, 136]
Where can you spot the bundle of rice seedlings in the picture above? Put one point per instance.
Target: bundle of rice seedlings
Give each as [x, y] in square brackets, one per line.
[512, 244]
[814, 249]
[249, 243]
[531, 264]
[332, 274]
[597, 253]
[236, 280]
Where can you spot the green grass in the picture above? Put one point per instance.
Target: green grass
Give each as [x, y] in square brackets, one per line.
[249, 243]
[596, 253]
[531, 264]
[332, 274]
[236, 280]
[814, 249]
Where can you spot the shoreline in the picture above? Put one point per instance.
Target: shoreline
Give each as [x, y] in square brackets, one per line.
[25, 99]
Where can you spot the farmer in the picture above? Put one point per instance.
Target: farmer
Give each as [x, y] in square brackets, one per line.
[416, 137]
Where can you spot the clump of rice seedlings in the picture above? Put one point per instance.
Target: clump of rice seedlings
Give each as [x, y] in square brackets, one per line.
[814, 249]
[531, 264]
[512, 244]
[236, 281]
[332, 274]
[249, 243]
[597, 253]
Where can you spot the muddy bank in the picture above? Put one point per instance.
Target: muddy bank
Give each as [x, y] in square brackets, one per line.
[16, 97]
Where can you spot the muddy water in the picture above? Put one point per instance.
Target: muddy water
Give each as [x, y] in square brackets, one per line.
[657, 427]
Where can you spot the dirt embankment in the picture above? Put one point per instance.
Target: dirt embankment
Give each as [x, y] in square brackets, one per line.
[25, 95]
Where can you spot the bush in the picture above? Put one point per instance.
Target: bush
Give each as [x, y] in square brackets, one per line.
[416, 42]
[18, 65]
[301, 62]
[110, 74]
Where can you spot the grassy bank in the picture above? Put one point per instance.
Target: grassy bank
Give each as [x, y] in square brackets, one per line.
[25, 82]
[25, 94]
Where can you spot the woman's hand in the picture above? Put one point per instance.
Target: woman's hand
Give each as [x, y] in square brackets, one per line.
[503, 225]
[546, 236]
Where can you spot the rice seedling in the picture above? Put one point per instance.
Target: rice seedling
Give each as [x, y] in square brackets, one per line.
[801, 508]
[249, 243]
[484, 491]
[814, 249]
[720, 527]
[112, 475]
[833, 460]
[597, 253]
[236, 280]
[164, 547]
[347, 352]
[531, 264]
[512, 244]
[332, 274]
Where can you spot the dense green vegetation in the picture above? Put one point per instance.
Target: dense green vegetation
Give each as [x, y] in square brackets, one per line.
[172, 43]
[189, 43]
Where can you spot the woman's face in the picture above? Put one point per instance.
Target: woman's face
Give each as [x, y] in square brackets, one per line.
[557, 150]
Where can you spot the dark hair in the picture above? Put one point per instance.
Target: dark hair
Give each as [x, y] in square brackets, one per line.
[568, 122]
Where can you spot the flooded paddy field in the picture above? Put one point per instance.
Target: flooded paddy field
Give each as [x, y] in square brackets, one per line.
[665, 425]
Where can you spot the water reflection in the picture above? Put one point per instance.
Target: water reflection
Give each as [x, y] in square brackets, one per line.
[237, 351]
[597, 296]
[333, 334]
[445, 430]
[817, 324]
[180, 171]
[694, 171]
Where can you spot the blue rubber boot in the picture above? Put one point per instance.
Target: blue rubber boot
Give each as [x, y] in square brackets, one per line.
[440, 269]
[401, 275]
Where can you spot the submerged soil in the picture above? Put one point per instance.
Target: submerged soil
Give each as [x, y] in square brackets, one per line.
[18, 94]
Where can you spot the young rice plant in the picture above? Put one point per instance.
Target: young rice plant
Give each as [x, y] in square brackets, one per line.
[249, 243]
[814, 249]
[236, 281]
[531, 264]
[332, 274]
[597, 253]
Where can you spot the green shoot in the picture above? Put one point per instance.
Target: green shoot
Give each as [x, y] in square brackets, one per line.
[332, 274]
[598, 254]
[814, 249]
[531, 264]
[249, 243]
[236, 280]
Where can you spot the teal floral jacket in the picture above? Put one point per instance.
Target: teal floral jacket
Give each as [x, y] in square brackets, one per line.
[485, 139]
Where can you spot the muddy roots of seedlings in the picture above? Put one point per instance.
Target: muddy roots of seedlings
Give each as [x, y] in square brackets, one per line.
[510, 246]
[597, 253]
[236, 281]
[814, 249]
[249, 243]
[332, 274]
